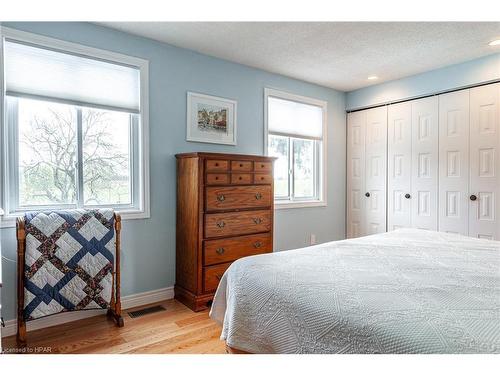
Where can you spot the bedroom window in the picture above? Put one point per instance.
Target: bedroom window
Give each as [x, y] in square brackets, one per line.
[296, 135]
[75, 133]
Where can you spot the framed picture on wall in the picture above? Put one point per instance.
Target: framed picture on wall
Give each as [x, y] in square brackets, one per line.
[211, 119]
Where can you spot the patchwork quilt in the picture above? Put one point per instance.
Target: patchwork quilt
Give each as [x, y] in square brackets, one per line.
[68, 261]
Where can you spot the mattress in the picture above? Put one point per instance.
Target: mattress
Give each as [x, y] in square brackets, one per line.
[406, 291]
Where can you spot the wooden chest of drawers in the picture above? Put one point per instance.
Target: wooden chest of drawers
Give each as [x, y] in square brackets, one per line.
[224, 212]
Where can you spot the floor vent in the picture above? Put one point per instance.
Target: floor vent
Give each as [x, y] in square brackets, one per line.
[146, 311]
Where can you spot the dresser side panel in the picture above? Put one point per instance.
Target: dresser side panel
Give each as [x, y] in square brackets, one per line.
[187, 223]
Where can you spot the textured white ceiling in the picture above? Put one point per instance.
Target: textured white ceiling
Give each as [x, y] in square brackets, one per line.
[333, 54]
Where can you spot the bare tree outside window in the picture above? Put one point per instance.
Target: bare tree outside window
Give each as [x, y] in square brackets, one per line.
[48, 154]
[106, 157]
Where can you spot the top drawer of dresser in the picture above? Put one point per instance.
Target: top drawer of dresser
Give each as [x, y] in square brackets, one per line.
[221, 165]
[241, 166]
[263, 166]
[216, 165]
[234, 197]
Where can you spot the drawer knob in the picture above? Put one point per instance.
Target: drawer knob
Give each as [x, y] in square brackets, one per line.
[240, 178]
[407, 196]
[221, 224]
[216, 164]
[258, 196]
[221, 198]
[241, 165]
[257, 220]
[220, 250]
[367, 194]
[472, 197]
[257, 244]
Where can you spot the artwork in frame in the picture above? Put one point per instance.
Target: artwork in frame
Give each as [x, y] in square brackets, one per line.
[211, 119]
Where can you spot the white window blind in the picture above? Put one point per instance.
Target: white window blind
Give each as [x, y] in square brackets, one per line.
[295, 119]
[39, 72]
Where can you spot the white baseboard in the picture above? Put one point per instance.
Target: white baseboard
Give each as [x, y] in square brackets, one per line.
[128, 302]
[145, 298]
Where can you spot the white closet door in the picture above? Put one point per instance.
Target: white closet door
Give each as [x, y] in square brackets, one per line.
[355, 173]
[376, 163]
[454, 162]
[399, 166]
[484, 188]
[424, 182]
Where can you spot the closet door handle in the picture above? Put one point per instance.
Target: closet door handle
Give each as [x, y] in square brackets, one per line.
[367, 194]
[472, 197]
[407, 196]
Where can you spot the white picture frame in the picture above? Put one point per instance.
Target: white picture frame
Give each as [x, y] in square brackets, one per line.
[211, 119]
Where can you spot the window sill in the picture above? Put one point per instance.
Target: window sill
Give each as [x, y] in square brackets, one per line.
[298, 204]
[9, 221]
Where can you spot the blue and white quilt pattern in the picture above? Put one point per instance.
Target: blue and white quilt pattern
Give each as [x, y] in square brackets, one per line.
[68, 261]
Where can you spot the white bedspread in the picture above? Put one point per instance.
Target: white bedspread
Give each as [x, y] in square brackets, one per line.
[407, 291]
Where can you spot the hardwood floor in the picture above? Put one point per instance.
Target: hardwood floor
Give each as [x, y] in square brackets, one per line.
[176, 330]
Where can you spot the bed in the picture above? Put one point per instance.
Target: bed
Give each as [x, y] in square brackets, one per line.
[406, 291]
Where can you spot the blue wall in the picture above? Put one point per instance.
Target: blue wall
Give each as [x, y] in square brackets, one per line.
[149, 245]
[481, 70]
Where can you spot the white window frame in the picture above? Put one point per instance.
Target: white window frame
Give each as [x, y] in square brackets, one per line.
[321, 159]
[141, 209]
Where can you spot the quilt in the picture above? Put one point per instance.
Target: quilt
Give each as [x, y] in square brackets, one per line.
[406, 291]
[69, 261]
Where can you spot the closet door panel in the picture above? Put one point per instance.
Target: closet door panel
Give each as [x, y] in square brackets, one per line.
[424, 180]
[356, 122]
[454, 162]
[399, 166]
[484, 162]
[376, 170]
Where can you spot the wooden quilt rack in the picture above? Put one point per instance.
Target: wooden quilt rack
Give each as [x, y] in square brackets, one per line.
[114, 311]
